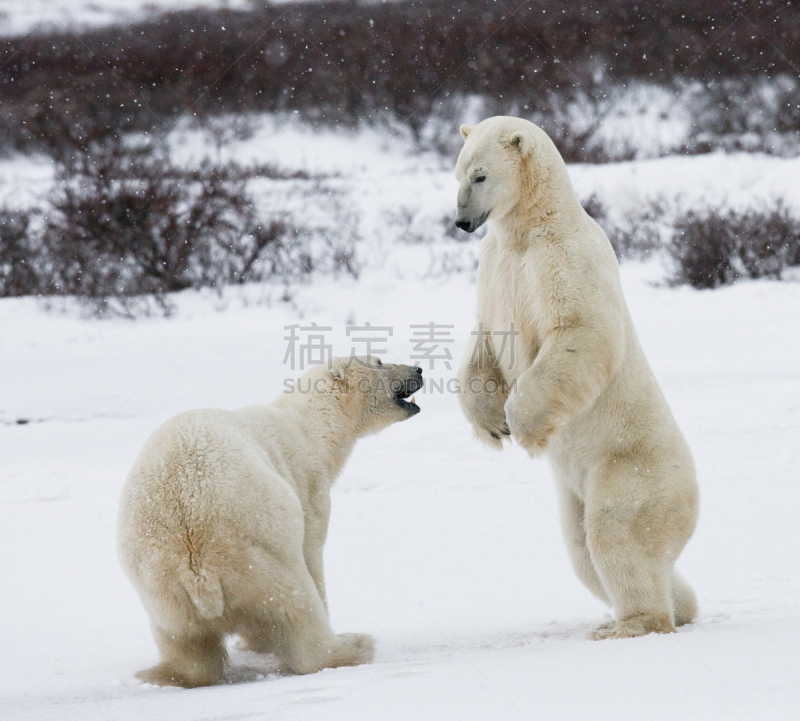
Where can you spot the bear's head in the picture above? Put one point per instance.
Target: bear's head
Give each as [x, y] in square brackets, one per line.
[504, 162]
[363, 392]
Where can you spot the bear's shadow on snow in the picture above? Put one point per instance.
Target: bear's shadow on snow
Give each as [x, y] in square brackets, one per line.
[554, 630]
[500, 640]
[248, 666]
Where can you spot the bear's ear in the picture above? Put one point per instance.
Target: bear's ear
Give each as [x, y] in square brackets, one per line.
[465, 130]
[336, 369]
[519, 141]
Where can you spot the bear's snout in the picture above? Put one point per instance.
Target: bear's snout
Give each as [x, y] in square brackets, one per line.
[472, 224]
[408, 387]
[414, 384]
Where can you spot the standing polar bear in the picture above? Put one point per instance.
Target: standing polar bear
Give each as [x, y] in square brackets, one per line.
[555, 363]
[224, 516]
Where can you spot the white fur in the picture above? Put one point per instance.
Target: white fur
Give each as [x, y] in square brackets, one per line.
[582, 388]
[224, 516]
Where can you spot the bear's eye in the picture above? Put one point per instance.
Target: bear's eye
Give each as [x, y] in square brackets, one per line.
[480, 178]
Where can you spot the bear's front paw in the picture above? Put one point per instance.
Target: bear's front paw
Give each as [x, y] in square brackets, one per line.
[485, 412]
[529, 428]
[493, 434]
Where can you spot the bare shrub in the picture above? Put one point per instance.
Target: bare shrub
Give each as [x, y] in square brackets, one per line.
[713, 248]
[448, 223]
[637, 234]
[751, 114]
[19, 256]
[408, 225]
[595, 207]
[448, 260]
[634, 237]
[400, 59]
[572, 118]
[125, 226]
[710, 247]
[328, 247]
[243, 257]
[126, 221]
[704, 248]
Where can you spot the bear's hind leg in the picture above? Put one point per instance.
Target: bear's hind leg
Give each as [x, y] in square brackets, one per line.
[633, 541]
[186, 661]
[572, 524]
[639, 589]
[303, 638]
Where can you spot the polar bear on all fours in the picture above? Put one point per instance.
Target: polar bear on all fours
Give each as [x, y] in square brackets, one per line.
[578, 385]
[224, 516]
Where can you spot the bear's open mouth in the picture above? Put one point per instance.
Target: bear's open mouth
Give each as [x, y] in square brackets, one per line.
[408, 389]
[409, 406]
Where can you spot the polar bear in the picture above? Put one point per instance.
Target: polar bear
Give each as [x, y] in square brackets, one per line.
[555, 363]
[224, 516]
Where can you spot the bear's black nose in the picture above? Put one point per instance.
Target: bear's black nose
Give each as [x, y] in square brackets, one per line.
[419, 370]
[463, 224]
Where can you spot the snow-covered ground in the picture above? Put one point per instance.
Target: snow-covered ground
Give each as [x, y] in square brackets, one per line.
[17, 17]
[448, 553]
[24, 16]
